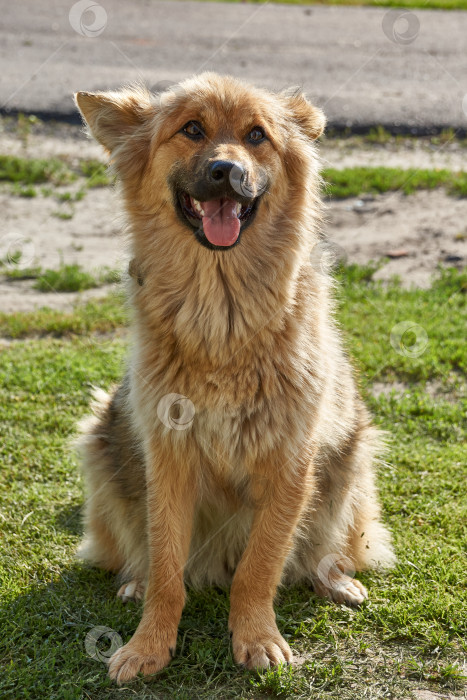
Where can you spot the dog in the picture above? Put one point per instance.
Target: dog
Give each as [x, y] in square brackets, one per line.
[237, 450]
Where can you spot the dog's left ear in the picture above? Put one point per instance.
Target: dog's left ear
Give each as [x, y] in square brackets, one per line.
[113, 116]
[310, 119]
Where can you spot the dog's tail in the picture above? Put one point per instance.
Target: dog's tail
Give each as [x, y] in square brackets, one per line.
[88, 446]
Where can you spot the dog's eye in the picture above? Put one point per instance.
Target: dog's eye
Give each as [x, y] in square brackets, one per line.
[193, 130]
[256, 135]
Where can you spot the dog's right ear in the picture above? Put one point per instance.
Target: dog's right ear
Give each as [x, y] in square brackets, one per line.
[113, 116]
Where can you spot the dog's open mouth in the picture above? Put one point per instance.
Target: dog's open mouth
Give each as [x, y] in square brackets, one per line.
[220, 221]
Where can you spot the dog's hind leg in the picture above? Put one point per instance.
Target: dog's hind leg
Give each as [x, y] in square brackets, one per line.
[342, 532]
[134, 590]
[343, 589]
[115, 507]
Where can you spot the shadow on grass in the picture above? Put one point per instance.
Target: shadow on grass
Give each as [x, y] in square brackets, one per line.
[70, 519]
[44, 651]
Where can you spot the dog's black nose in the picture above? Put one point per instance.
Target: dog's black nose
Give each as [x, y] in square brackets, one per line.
[220, 170]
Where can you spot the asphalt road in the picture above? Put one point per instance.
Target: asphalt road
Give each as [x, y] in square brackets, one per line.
[364, 66]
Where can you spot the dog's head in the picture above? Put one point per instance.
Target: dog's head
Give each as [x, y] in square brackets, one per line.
[209, 158]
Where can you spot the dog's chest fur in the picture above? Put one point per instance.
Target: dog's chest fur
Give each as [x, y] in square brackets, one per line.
[248, 397]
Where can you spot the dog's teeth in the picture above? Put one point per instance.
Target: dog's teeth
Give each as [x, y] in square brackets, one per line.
[197, 206]
[239, 209]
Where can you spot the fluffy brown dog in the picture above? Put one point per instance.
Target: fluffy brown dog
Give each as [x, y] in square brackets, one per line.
[237, 448]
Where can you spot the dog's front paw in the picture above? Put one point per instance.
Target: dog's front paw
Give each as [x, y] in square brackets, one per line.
[262, 653]
[140, 655]
[260, 648]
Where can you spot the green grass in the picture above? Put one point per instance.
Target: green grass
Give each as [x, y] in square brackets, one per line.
[96, 172]
[71, 196]
[65, 278]
[25, 172]
[411, 634]
[31, 171]
[63, 215]
[351, 182]
[72, 278]
[95, 317]
[24, 190]
[414, 4]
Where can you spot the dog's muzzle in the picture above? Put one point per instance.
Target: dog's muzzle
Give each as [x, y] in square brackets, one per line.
[220, 203]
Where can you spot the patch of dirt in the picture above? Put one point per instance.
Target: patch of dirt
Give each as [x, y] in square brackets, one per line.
[429, 695]
[434, 388]
[91, 238]
[47, 140]
[428, 227]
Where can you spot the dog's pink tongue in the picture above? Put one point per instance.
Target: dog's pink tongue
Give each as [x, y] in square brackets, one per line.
[221, 224]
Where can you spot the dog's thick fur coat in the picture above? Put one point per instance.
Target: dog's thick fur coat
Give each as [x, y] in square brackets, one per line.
[269, 470]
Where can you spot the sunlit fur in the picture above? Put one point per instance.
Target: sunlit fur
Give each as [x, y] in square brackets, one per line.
[280, 435]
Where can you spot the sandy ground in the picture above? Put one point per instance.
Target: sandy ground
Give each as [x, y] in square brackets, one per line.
[418, 232]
